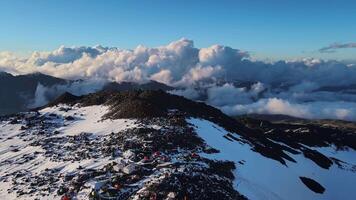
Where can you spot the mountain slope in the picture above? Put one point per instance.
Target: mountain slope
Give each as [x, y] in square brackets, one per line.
[154, 145]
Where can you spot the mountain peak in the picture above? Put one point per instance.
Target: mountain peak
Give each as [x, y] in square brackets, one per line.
[125, 86]
[149, 103]
[65, 98]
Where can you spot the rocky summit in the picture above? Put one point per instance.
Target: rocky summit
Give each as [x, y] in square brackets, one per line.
[155, 145]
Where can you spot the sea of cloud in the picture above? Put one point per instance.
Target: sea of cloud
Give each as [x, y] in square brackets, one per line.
[222, 76]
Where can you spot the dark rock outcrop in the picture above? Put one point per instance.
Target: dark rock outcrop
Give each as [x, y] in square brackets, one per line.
[17, 91]
[312, 185]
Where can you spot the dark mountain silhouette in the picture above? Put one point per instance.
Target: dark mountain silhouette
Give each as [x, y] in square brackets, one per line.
[16, 91]
[127, 86]
[65, 98]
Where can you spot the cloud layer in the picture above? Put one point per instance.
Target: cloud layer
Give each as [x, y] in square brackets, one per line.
[333, 47]
[222, 76]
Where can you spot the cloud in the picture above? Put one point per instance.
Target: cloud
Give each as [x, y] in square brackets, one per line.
[65, 55]
[333, 47]
[163, 76]
[40, 97]
[311, 110]
[228, 94]
[222, 76]
[44, 94]
[270, 106]
[178, 63]
[189, 93]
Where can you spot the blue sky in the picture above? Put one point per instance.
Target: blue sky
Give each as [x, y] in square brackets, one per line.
[275, 29]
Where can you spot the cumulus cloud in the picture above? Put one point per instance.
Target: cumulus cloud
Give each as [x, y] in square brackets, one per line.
[64, 55]
[220, 75]
[333, 47]
[178, 63]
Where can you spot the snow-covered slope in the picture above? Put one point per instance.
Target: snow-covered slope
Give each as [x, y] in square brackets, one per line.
[70, 150]
[258, 177]
[153, 145]
[20, 154]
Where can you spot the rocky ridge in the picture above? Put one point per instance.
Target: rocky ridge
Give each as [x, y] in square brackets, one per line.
[155, 145]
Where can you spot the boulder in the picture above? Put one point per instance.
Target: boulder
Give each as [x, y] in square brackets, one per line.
[129, 154]
[129, 169]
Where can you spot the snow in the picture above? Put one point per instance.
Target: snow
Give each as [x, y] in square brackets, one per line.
[86, 119]
[263, 178]
[89, 120]
[9, 131]
[257, 177]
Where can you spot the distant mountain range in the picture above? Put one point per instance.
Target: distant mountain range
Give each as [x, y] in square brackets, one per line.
[16, 92]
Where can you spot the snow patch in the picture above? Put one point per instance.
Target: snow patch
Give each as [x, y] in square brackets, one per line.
[88, 120]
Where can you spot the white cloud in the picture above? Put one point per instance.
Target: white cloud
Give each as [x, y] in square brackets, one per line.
[287, 87]
[310, 110]
[163, 76]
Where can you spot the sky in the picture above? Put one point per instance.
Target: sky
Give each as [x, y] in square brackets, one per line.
[179, 38]
[274, 29]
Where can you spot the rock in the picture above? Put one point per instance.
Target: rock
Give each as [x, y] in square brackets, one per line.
[69, 177]
[312, 185]
[69, 118]
[119, 165]
[128, 154]
[15, 150]
[171, 195]
[129, 169]
[62, 190]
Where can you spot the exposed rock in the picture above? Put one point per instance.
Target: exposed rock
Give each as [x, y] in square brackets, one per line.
[312, 185]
